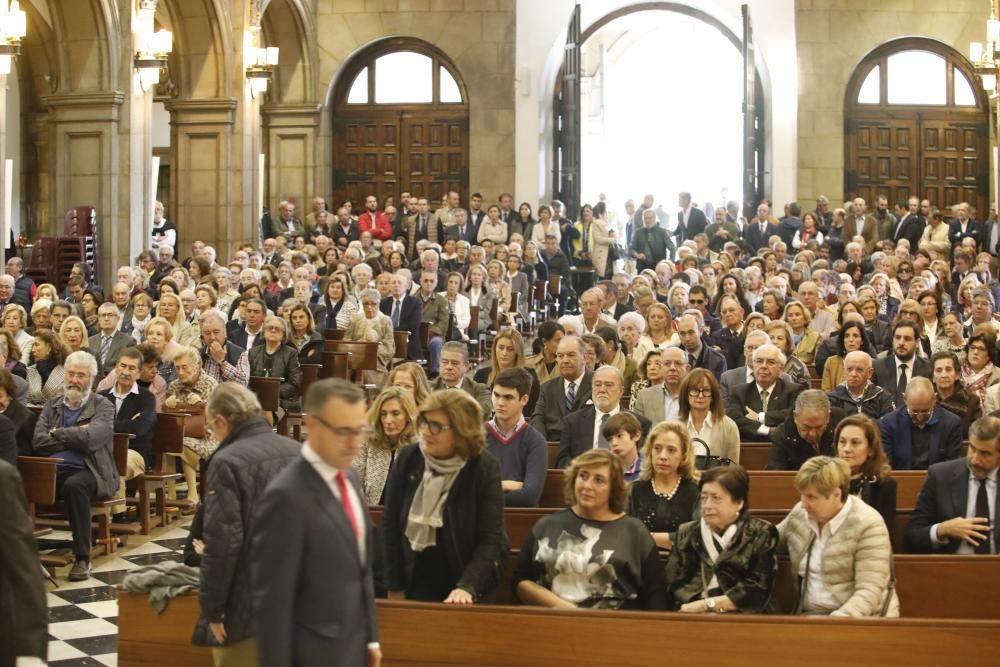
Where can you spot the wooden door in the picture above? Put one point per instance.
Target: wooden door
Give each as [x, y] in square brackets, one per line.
[434, 156]
[954, 163]
[366, 157]
[882, 159]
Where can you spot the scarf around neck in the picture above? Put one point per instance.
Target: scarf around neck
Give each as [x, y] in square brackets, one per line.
[427, 508]
[709, 538]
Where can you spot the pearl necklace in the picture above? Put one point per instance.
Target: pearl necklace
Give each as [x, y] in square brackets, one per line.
[669, 495]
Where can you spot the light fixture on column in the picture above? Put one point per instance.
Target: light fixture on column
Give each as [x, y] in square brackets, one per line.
[986, 57]
[13, 28]
[260, 60]
[152, 48]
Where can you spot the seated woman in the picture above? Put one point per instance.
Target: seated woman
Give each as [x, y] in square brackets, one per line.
[592, 554]
[666, 493]
[274, 359]
[73, 333]
[13, 364]
[159, 335]
[978, 372]
[838, 546]
[410, 376]
[804, 339]
[45, 370]
[304, 337]
[508, 352]
[171, 309]
[476, 292]
[341, 306]
[726, 561]
[781, 335]
[392, 419]
[702, 410]
[443, 519]
[859, 442]
[190, 391]
[373, 326]
[41, 317]
[651, 373]
[947, 377]
[851, 337]
[142, 308]
[14, 321]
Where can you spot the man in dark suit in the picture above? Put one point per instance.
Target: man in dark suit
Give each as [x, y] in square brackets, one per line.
[463, 229]
[252, 331]
[807, 434]
[270, 253]
[475, 212]
[405, 312]
[313, 545]
[761, 406]
[564, 394]
[759, 230]
[691, 331]
[345, 230]
[920, 433]
[964, 226]
[690, 219]
[287, 224]
[650, 243]
[729, 337]
[894, 371]
[108, 343]
[454, 366]
[135, 411]
[911, 225]
[954, 512]
[583, 426]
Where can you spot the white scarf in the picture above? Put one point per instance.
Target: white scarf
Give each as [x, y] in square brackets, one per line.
[427, 507]
[725, 539]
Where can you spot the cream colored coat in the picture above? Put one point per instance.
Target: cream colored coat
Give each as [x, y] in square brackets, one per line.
[855, 563]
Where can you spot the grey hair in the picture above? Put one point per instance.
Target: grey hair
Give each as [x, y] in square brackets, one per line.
[82, 358]
[699, 319]
[758, 333]
[233, 402]
[985, 428]
[458, 347]
[189, 353]
[212, 314]
[361, 268]
[370, 293]
[611, 369]
[812, 399]
[767, 348]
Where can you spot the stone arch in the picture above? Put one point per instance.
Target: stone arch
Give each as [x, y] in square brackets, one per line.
[201, 63]
[87, 44]
[287, 25]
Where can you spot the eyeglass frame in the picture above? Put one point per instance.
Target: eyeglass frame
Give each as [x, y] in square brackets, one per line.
[342, 431]
[433, 428]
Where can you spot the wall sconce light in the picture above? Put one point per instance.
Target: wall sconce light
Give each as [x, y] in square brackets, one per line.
[13, 28]
[261, 62]
[152, 48]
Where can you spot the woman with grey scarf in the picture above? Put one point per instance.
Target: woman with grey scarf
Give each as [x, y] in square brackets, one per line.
[443, 521]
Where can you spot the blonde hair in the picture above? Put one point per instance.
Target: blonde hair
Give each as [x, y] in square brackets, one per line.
[378, 438]
[160, 321]
[465, 417]
[824, 474]
[73, 319]
[686, 469]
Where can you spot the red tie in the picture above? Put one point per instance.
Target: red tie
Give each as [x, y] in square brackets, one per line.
[348, 507]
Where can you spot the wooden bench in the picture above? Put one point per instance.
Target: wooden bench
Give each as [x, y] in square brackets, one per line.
[336, 365]
[168, 441]
[154, 483]
[364, 356]
[38, 474]
[291, 424]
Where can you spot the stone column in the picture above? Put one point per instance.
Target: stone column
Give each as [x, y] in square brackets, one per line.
[291, 135]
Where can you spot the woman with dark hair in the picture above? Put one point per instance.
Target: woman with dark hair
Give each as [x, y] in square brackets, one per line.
[276, 359]
[341, 306]
[859, 443]
[198, 269]
[45, 370]
[89, 303]
[650, 375]
[443, 519]
[704, 413]
[850, 338]
[726, 560]
[591, 554]
[523, 222]
[978, 371]
[397, 261]
[730, 284]
[508, 352]
[931, 324]
[331, 257]
[772, 304]
[303, 335]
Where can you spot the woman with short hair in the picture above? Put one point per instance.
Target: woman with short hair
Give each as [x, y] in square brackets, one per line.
[159, 335]
[142, 308]
[13, 363]
[726, 560]
[41, 316]
[953, 339]
[804, 340]
[659, 333]
[701, 408]
[852, 337]
[443, 519]
[651, 374]
[591, 554]
[838, 546]
[782, 336]
[392, 419]
[978, 371]
[341, 306]
[373, 326]
[14, 320]
[73, 333]
[275, 359]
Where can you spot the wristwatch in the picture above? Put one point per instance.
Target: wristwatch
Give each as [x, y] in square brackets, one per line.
[710, 602]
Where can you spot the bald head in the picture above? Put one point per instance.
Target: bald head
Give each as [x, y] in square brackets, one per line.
[857, 371]
[920, 400]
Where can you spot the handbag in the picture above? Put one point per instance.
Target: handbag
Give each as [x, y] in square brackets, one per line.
[704, 459]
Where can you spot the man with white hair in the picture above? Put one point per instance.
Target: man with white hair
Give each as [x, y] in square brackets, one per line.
[823, 321]
[857, 394]
[760, 406]
[287, 224]
[220, 359]
[591, 318]
[163, 232]
[76, 428]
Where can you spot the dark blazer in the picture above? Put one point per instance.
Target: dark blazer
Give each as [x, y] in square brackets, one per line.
[911, 228]
[472, 540]
[471, 232]
[342, 238]
[313, 596]
[239, 338]
[945, 495]
[878, 332]
[481, 392]
[550, 410]
[973, 230]
[880, 494]
[8, 442]
[654, 243]
[946, 437]
[24, 427]
[753, 237]
[411, 313]
[137, 416]
[710, 358]
[119, 341]
[789, 450]
[696, 224]
[578, 434]
[730, 343]
[886, 372]
[286, 367]
[23, 613]
[779, 407]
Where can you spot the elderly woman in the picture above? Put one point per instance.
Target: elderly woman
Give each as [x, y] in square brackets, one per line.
[392, 419]
[362, 275]
[341, 306]
[702, 409]
[207, 299]
[666, 493]
[458, 303]
[159, 335]
[651, 373]
[659, 331]
[851, 337]
[478, 295]
[631, 326]
[887, 304]
[303, 335]
[781, 335]
[41, 316]
[227, 293]
[953, 339]
[839, 546]
[804, 339]
[508, 352]
[859, 443]
[90, 302]
[73, 333]
[946, 373]
[14, 321]
[499, 289]
[274, 359]
[142, 308]
[45, 368]
[373, 326]
[411, 377]
[171, 309]
[443, 520]
[189, 393]
[591, 554]
[978, 371]
[725, 561]
[47, 291]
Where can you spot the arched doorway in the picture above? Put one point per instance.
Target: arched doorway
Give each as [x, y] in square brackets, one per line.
[916, 124]
[400, 123]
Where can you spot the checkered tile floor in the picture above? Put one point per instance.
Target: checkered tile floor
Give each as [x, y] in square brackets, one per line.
[83, 615]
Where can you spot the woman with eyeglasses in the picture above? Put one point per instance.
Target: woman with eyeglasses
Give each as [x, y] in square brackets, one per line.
[392, 419]
[978, 371]
[443, 519]
[704, 413]
[274, 359]
[373, 326]
[411, 377]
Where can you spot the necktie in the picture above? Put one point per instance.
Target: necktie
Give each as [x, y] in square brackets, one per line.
[570, 396]
[983, 511]
[764, 396]
[348, 508]
[105, 349]
[395, 314]
[602, 442]
[901, 385]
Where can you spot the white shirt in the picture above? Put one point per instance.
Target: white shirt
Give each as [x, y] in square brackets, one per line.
[576, 385]
[119, 398]
[329, 475]
[671, 405]
[597, 422]
[970, 511]
[705, 434]
[251, 337]
[762, 429]
[817, 597]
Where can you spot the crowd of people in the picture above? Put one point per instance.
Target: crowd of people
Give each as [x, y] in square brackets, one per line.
[674, 338]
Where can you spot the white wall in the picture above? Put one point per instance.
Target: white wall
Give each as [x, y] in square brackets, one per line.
[160, 126]
[541, 35]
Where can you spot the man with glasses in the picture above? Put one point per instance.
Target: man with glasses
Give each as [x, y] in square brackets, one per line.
[983, 306]
[518, 447]
[591, 319]
[662, 402]
[744, 374]
[759, 407]
[857, 394]
[894, 372]
[807, 434]
[222, 360]
[920, 432]
[108, 342]
[454, 366]
[698, 299]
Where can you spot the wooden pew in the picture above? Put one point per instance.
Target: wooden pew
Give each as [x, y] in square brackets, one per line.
[168, 440]
[753, 455]
[38, 474]
[154, 482]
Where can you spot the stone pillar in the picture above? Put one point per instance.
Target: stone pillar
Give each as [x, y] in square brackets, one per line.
[291, 135]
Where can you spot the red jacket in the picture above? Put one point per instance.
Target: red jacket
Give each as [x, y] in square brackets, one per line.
[376, 223]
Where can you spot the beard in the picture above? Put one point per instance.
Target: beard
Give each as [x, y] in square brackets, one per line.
[76, 395]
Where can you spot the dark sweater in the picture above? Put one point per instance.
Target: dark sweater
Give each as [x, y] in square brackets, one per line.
[523, 458]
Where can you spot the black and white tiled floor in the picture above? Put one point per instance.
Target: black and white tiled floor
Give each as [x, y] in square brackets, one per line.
[83, 615]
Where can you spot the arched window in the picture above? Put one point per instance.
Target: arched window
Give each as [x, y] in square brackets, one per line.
[915, 123]
[400, 120]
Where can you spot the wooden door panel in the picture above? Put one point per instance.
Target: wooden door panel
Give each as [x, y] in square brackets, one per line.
[366, 156]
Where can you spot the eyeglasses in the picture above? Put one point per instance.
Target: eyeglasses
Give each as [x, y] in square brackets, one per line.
[904, 271]
[977, 348]
[342, 431]
[433, 428]
[697, 302]
[705, 391]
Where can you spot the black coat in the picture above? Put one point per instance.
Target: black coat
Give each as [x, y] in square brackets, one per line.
[411, 314]
[8, 443]
[943, 496]
[472, 538]
[137, 416]
[550, 410]
[789, 450]
[286, 367]
[779, 407]
[24, 427]
[886, 373]
[235, 478]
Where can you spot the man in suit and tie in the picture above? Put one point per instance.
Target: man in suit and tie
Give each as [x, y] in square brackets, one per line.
[583, 427]
[565, 393]
[911, 225]
[313, 544]
[405, 311]
[690, 220]
[462, 228]
[507, 212]
[729, 337]
[920, 433]
[108, 342]
[761, 406]
[421, 226]
[454, 366]
[862, 224]
[271, 255]
[760, 230]
[895, 370]
[660, 403]
[963, 226]
[691, 331]
[252, 331]
[957, 507]
[741, 375]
